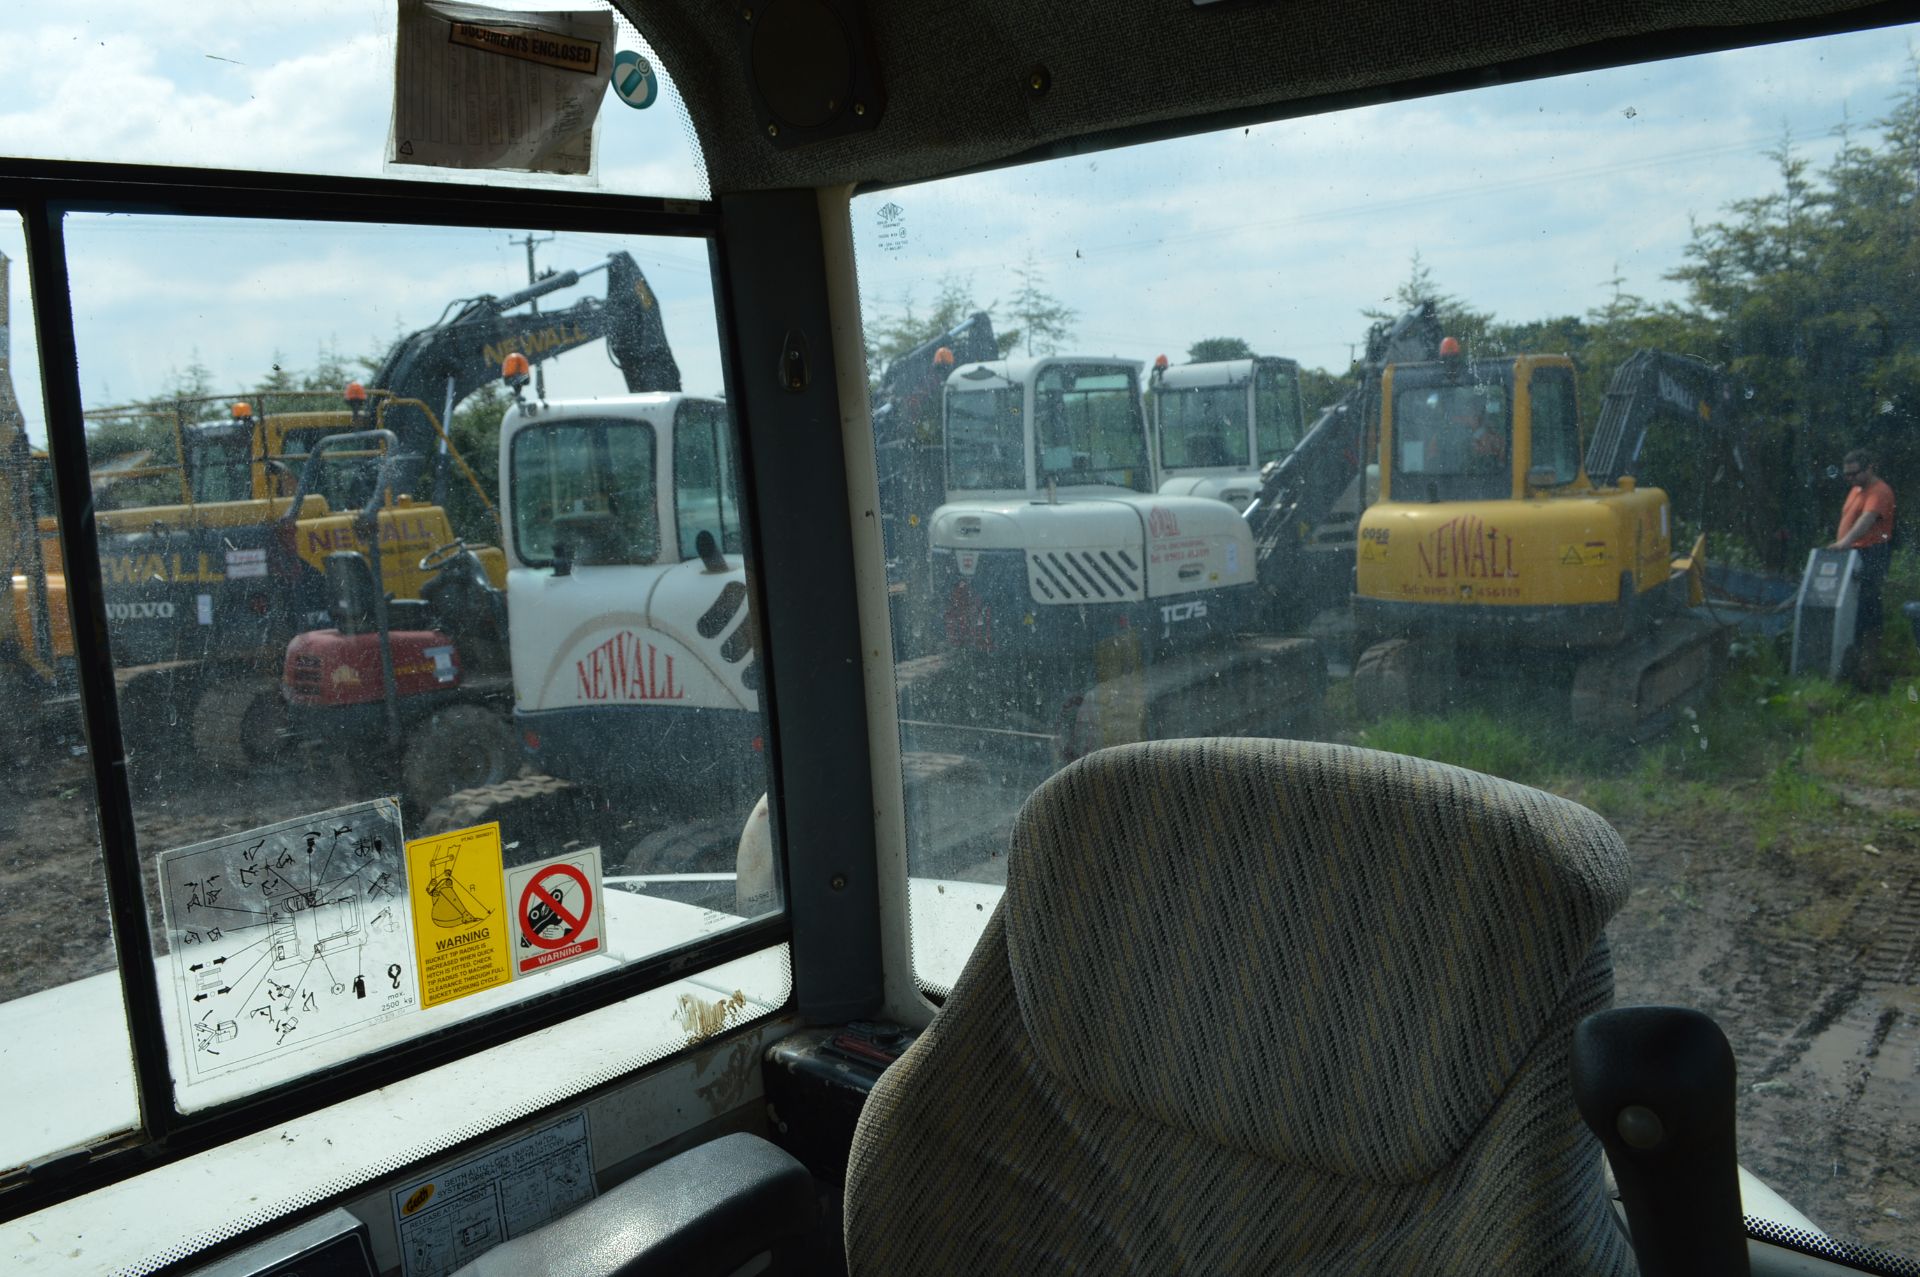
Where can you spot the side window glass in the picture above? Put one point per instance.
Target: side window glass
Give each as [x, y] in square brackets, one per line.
[1430, 577]
[1556, 429]
[1277, 401]
[702, 492]
[381, 656]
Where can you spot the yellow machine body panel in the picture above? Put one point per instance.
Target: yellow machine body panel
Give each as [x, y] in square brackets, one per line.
[406, 531]
[1486, 512]
[1548, 551]
[59, 626]
[205, 514]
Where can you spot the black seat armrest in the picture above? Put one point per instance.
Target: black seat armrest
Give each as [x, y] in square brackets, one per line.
[707, 1210]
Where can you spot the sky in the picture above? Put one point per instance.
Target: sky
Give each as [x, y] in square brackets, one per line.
[294, 86]
[1525, 200]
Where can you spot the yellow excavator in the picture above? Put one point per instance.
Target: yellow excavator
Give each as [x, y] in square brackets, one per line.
[205, 589]
[1495, 551]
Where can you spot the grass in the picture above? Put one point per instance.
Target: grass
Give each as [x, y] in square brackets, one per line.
[1780, 758]
[1472, 739]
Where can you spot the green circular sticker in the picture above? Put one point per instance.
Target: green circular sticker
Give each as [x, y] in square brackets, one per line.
[633, 80]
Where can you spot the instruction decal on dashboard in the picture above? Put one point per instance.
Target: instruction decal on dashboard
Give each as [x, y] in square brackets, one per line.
[452, 1217]
[285, 937]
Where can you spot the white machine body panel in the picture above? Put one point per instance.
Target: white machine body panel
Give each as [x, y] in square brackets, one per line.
[607, 634]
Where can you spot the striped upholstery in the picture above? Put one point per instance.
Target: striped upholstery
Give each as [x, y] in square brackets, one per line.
[1260, 1006]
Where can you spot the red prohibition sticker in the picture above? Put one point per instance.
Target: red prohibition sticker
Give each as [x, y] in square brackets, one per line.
[555, 911]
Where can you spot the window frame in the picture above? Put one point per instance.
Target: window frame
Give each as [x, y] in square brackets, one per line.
[43, 193]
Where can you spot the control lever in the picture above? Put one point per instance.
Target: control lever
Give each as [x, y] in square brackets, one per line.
[1656, 1085]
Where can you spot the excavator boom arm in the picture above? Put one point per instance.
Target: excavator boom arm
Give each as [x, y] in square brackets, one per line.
[1653, 384]
[1300, 489]
[450, 360]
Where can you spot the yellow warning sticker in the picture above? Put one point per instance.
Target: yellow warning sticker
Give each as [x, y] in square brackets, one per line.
[460, 927]
[1577, 554]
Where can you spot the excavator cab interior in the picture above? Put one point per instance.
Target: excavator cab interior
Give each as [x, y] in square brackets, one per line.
[1124, 904]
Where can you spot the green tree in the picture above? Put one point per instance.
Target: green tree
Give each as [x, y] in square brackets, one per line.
[1319, 388]
[1457, 318]
[1806, 293]
[895, 334]
[1210, 350]
[1045, 321]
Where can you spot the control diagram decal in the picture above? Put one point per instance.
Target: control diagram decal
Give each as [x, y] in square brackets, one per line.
[287, 936]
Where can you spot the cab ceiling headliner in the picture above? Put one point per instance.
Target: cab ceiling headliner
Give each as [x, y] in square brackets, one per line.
[956, 74]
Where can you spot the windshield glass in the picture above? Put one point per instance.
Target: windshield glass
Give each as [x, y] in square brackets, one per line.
[345, 478]
[221, 463]
[1277, 409]
[585, 489]
[1451, 442]
[243, 71]
[1089, 429]
[1203, 426]
[1743, 213]
[986, 443]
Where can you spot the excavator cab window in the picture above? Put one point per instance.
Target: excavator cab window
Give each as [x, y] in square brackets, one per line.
[1276, 409]
[1555, 428]
[1089, 428]
[704, 496]
[220, 462]
[345, 480]
[1203, 426]
[985, 447]
[587, 486]
[1451, 442]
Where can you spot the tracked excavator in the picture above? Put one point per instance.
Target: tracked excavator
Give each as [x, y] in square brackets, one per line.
[1216, 424]
[206, 594]
[1495, 550]
[1130, 613]
[910, 460]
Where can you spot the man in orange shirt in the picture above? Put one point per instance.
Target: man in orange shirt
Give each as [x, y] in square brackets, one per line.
[1866, 525]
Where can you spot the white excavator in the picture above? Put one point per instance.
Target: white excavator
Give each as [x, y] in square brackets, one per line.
[1129, 613]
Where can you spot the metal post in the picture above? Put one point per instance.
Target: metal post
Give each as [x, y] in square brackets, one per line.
[539, 373]
[93, 660]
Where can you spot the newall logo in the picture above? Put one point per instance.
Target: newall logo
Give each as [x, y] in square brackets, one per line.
[139, 611]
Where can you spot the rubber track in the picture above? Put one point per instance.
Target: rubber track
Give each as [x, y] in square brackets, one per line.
[1608, 688]
[1383, 679]
[221, 736]
[499, 802]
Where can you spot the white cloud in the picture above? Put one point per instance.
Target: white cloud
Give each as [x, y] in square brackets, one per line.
[301, 87]
[1525, 199]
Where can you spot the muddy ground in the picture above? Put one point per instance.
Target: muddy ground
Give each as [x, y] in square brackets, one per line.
[1807, 955]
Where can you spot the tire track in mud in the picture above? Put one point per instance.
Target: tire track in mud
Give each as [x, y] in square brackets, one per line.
[1820, 1007]
[1851, 1069]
